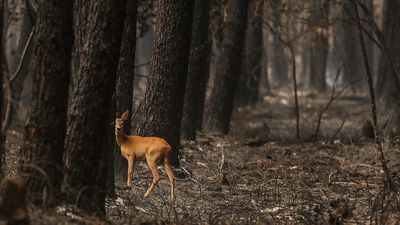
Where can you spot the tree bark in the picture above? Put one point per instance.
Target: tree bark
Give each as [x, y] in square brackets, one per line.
[98, 27]
[1, 89]
[319, 44]
[387, 87]
[247, 91]
[124, 83]
[279, 63]
[198, 71]
[227, 70]
[160, 112]
[46, 122]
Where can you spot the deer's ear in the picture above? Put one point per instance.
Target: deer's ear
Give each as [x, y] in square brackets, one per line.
[125, 115]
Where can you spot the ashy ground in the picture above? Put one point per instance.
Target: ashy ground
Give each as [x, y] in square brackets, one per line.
[261, 174]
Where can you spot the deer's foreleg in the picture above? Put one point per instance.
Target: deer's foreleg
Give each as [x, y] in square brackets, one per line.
[131, 168]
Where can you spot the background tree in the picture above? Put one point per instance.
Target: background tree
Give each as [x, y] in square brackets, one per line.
[198, 71]
[247, 90]
[46, 122]
[98, 27]
[319, 44]
[124, 81]
[351, 52]
[227, 70]
[279, 64]
[388, 81]
[160, 112]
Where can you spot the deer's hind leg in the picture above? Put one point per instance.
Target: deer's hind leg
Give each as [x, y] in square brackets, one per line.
[170, 175]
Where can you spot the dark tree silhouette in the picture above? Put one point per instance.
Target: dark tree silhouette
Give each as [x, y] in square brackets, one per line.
[227, 70]
[351, 53]
[319, 44]
[160, 112]
[247, 89]
[46, 122]
[98, 27]
[279, 62]
[388, 88]
[198, 72]
[124, 83]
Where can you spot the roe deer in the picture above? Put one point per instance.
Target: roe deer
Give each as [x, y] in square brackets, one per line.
[151, 149]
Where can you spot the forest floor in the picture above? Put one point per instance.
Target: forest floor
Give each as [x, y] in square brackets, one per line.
[267, 175]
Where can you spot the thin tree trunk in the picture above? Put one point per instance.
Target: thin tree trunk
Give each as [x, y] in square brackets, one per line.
[98, 27]
[247, 91]
[46, 123]
[160, 112]
[124, 84]
[199, 68]
[378, 141]
[227, 70]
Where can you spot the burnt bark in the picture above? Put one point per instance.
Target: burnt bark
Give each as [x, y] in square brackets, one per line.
[124, 82]
[1, 89]
[46, 121]
[247, 90]
[160, 112]
[227, 70]
[319, 44]
[198, 71]
[98, 27]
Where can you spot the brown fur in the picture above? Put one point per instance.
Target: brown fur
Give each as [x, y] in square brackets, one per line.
[152, 149]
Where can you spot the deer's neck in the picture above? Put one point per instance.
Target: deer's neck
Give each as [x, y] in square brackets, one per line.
[120, 137]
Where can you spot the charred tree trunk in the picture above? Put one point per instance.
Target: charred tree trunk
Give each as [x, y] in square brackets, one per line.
[160, 112]
[98, 27]
[1, 89]
[124, 84]
[247, 91]
[279, 64]
[319, 44]
[387, 84]
[227, 70]
[46, 122]
[198, 71]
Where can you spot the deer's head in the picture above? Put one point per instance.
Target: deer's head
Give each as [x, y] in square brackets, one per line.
[119, 122]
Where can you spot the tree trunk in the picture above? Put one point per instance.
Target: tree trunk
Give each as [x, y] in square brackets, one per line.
[387, 86]
[279, 63]
[227, 70]
[160, 112]
[46, 122]
[319, 44]
[1, 89]
[98, 27]
[198, 71]
[247, 91]
[124, 84]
